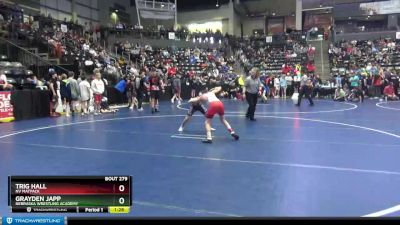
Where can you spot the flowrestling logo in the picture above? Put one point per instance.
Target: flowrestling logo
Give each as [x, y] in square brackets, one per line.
[6, 109]
[33, 220]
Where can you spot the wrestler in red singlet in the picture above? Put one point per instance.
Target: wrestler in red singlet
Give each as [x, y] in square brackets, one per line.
[215, 107]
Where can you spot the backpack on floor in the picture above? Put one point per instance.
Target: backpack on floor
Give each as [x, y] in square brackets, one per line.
[295, 98]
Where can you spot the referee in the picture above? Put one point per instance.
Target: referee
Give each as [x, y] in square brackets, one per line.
[306, 89]
[251, 89]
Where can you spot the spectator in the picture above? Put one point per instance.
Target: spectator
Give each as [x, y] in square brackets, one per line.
[289, 82]
[65, 91]
[338, 81]
[98, 89]
[140, 89]
[277, 86]
[340, 94]
[131, 93]
[310, 67]
[156, 85]
[53, 86]
[377, 82]
[75, 92]
[4, 85]
[172, 71]
[355, 87]
[176, 86]
[191, 84]
[389, 93]
[86, 95]
[317, 82]
[121, 88]
[283, 86]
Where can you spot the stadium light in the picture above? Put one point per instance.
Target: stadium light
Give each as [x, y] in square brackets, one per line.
[217, 5]
[114, 17]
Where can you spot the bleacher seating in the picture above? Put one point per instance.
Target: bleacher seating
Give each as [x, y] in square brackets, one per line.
[346, 56]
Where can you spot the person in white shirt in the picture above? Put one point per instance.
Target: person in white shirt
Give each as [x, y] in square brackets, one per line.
[86, 95]
[289, 82]
[283, 85]
[134, 71]
[277, 87]
[86, 47]
[296, 80]
[4, 85]
[98, 89]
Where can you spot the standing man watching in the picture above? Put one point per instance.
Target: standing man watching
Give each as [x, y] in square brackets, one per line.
[54, 90]
[251, 89]
[140, 89]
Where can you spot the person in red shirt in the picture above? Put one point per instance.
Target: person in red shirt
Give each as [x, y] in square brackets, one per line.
[191, 73]
[210, 58]
[172, 71]
[156, 85]
[377, 81]
[389, 93]
[310, 67]
[286, 69]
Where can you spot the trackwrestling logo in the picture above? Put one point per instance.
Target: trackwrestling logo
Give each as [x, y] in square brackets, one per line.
[33, 220]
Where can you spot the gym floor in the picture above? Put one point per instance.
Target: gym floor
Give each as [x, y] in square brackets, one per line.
[332, 159]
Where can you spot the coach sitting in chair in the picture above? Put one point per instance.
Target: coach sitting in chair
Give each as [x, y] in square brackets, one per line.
[389, 93]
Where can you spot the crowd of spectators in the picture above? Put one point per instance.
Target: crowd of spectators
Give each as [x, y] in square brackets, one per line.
[371, 68]
[280, 66]
[10, 19]
[359, 67]
[161, 32]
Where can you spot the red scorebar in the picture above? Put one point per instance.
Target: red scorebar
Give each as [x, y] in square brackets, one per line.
[70, 188]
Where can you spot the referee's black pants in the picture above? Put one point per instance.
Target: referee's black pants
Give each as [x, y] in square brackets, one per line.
[305, 91]
[252, 101]
[139, 97]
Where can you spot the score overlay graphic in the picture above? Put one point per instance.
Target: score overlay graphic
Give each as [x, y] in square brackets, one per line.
[70, 194]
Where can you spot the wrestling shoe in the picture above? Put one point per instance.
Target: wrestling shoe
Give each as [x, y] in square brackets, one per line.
[235, 136]
[207, 141]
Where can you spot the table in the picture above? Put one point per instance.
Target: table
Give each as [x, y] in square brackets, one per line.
[30, 104]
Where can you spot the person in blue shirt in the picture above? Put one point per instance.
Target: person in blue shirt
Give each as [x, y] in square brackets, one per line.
[283, 84]
[338, 80]
[192, 60]
[121, 85]
[265, 93]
